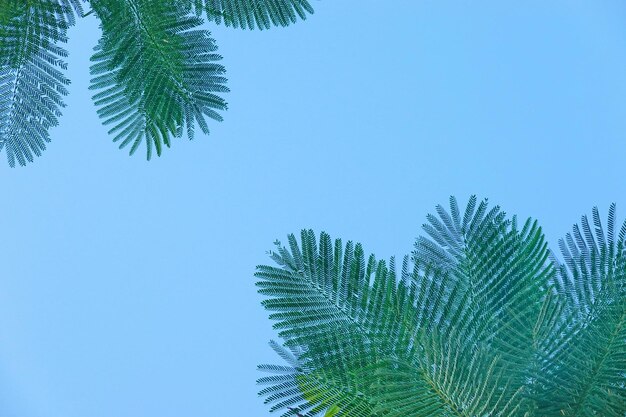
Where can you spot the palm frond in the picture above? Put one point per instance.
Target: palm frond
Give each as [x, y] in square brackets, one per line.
[251, 14]
[32, 83]
[156, 72]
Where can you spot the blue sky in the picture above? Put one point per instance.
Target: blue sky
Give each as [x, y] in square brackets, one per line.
[126, 286]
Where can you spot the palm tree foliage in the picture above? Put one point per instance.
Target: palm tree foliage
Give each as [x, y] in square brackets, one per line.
[156, 72]
[482, 320]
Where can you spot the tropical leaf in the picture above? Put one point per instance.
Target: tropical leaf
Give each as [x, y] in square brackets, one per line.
[251, 14]
[283, 386]
[482, 320]
[503, 273]
[587, 375]
[156, 73]
[32, 82]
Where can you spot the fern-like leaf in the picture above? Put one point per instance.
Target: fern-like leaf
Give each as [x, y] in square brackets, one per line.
[483, 320]
[156, 72]
[450, 339]
[586, 375]
[32, 83]
[251, 14]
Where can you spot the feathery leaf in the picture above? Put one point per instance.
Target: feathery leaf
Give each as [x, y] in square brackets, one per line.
[32, 83]
[156, 72]
[482, 320]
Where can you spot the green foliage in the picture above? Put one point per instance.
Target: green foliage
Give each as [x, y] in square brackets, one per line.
[155, 70]
[481, 320]
[248, 14]
[32, 83]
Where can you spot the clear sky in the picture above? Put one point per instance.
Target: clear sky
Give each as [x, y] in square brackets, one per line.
[126, 286]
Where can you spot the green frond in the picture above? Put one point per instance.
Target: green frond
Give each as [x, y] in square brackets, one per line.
[70, 10]
[36, 23]
[156, 73]
[586, 373]
[482, 320]
[352, 315]
[32, 83]
[282, 388]
[323, 290]
[502, 274]
[155, 70]
[251, 14]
